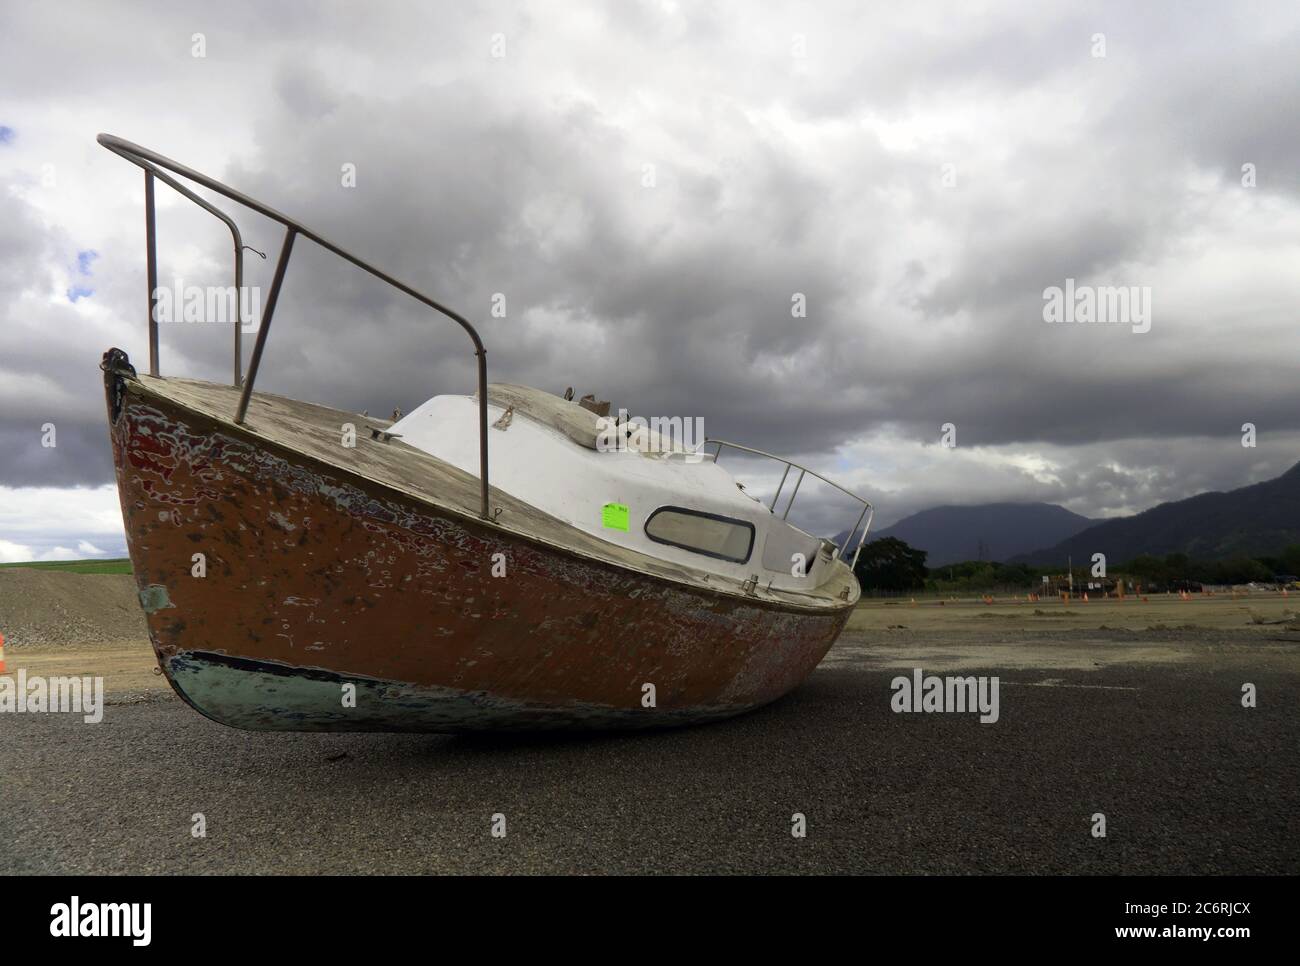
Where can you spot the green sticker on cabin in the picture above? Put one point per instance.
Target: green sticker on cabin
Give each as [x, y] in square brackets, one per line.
[613, 516]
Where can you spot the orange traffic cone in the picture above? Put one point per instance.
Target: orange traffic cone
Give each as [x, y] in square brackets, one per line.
[2, 654]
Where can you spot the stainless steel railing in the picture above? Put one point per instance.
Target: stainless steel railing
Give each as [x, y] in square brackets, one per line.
[153, 163]
[868, 511]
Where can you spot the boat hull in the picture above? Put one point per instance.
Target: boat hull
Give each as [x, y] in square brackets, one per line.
[285, 593]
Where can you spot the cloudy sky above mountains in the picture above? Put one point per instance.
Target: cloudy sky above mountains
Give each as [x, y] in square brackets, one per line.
[919, 173]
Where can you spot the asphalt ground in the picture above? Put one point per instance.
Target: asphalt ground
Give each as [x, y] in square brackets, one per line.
[1147, 729]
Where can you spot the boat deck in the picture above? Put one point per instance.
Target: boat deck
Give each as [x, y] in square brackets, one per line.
[316, 431]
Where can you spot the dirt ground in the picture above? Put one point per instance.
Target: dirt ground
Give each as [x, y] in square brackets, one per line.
[1132, 709]
[59, 623]
[1152, 613]
[1009, 634]
[58, 609]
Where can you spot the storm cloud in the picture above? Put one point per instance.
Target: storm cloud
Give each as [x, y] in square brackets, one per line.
[650, 188]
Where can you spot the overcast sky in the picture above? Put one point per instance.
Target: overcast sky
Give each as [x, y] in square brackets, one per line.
[649, 186]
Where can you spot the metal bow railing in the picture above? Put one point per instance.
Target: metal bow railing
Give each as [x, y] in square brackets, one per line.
[868, 511]
[152, 163]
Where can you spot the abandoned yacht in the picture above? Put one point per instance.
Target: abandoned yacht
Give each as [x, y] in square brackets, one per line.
[306, 568]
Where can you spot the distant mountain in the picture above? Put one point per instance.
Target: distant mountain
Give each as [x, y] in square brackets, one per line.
[1253, 521]
[989, 531]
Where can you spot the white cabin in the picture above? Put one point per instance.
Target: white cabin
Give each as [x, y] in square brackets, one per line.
[620, 484]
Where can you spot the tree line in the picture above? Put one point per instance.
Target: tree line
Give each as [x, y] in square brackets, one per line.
[891, 565]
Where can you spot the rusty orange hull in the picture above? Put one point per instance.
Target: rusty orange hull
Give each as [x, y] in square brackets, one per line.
[329, 601]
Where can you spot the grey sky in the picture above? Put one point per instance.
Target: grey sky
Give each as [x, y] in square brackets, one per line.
[796, 149]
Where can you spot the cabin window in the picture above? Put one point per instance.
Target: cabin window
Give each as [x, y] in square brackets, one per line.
[705, 533]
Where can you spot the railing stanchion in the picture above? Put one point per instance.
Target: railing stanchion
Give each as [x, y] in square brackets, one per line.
[871, 515]
[777, 495]
[239, 313]
[794, 494]
[853, 531]
[483, 431]
[265, 327]
[151, 271]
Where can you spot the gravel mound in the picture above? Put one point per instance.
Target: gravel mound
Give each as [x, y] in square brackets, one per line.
[51, 607]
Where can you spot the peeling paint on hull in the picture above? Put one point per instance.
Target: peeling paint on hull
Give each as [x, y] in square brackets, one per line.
[317, 577]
